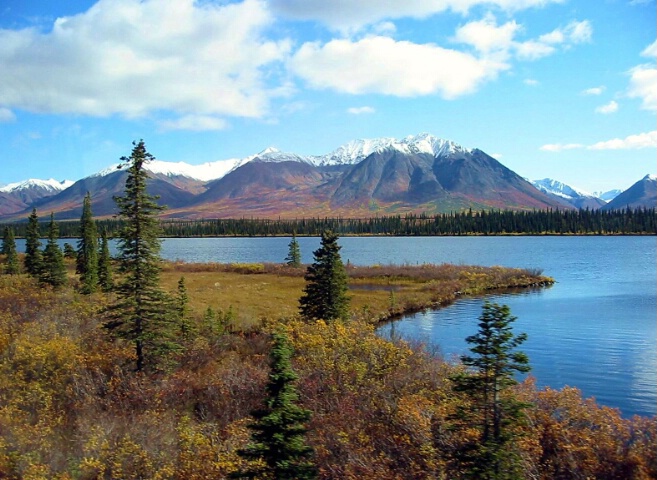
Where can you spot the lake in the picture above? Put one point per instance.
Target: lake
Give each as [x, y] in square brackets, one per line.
[595, 329]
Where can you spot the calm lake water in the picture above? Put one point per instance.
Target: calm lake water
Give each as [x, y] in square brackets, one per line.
[595, 329]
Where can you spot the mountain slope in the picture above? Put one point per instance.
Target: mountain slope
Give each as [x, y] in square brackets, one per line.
[572, 196]
[642, 194]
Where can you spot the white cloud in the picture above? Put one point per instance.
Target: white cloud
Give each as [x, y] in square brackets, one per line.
[559, 147]
[350, 15]
[6, 115]
[135, 57]
[607, 108]
[197, 123]
[643, 80]
[383, 65]
[488, 38]
[360, 110]
[531, 82]
[593, 91]
[631, 142]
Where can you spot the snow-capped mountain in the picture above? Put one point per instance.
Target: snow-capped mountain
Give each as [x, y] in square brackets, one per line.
[609, 195]
[573, 196]
[50, 185]
[357, 150]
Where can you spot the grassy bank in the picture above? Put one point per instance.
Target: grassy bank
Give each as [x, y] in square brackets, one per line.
[257, 291]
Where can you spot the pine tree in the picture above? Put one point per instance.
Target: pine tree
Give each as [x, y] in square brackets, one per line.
[278, 446]
[53, 270]
[105, 279]
[142, 312]
[33, 245]
[293, 258]
[182, 310]
[325, 295]
[492, 409]
[87, 257]
[12, 266]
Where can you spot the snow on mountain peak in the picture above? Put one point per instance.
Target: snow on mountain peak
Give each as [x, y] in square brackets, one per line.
[50, 185]
[356, 150]
[555, 187]
[651, 176]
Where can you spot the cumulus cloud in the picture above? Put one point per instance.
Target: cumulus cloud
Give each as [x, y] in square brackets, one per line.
[607, 108]
[350, 15]
[643, 80]
[6, 115]
[631, 142]
[360, 110]
[489, 38]
[593, 91]
[382, 65]
[133, 58]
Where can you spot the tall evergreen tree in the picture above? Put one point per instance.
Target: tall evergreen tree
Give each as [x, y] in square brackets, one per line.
[492, 409]
[87, 257]
[105, 279]
[142, 312]
[293, 258]
[278, 444]
[33, 245]
[325, 294]
[12, 266]
[53, 270]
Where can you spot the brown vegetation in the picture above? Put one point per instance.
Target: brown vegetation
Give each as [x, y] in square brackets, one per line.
[72, 408]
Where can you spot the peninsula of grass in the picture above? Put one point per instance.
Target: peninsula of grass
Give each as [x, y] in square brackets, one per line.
[257, 292]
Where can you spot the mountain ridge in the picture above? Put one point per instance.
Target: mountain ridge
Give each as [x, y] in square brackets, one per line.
[365, 177]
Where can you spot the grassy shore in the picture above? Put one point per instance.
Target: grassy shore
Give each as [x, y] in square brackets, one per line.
[257, 291]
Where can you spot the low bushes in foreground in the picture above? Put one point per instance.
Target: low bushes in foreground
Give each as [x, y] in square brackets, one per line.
[72, 408]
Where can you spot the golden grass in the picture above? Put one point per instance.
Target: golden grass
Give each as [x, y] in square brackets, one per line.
[258, 292]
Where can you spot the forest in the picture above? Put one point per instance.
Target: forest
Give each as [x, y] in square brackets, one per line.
[135, 368]
[640, 221]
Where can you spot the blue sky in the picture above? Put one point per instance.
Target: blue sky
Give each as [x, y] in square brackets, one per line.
[565, 89]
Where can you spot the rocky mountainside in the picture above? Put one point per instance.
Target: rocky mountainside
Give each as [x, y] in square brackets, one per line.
[642, 194]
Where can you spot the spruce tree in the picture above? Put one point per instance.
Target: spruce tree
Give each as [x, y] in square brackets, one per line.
[491, 408]
[142, 312]
[53, 270]
[325, 294]
[182, 310]
[87, 257]
[105, 279]
[293, 258]
[12, 266]
[278, 446]
[32, 245]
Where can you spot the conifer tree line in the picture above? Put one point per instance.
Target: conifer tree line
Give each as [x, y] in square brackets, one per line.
[627, 221]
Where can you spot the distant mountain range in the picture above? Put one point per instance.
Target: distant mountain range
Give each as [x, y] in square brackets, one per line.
[363, 178]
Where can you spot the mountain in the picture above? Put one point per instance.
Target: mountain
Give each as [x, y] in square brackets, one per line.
[572, 196]
[363, 178]
[642, 194]
[607, 196]
[20, 195]
[418, 173]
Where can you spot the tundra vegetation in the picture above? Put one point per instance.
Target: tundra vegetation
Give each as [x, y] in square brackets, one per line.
[250, 376]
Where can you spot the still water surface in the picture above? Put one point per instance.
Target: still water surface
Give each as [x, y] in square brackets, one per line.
[595, 329]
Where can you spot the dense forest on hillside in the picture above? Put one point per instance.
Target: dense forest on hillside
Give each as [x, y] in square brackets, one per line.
[640, 221]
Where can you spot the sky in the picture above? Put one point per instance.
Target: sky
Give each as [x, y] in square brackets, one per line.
[565, 89]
